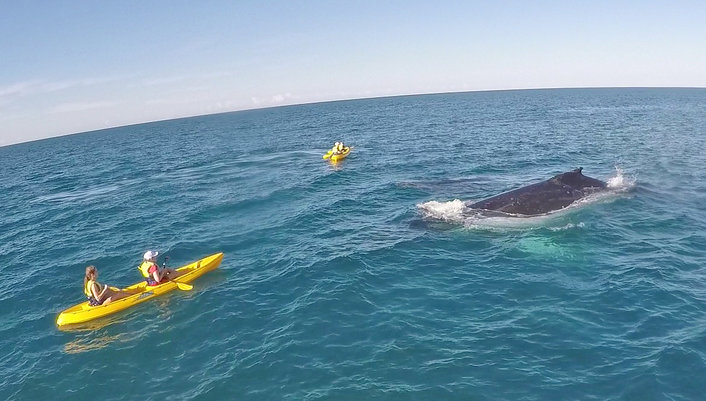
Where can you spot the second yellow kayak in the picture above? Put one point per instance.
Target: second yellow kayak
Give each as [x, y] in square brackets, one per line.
[83, 312]
[334, 158]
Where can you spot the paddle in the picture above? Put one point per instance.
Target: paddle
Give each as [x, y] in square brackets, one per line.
[181, 286]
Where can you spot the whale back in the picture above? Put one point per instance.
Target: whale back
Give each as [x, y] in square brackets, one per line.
[577, 180]
[555, 193]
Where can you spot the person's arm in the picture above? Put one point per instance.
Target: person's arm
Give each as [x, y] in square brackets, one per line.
[156, 273]
[95, 288]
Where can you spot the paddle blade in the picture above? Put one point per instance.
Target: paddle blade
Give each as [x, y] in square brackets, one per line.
[184, 286]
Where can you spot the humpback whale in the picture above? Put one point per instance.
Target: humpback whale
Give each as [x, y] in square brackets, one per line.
[553, 194]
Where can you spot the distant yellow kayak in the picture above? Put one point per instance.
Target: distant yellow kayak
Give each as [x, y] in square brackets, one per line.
[83, 312]
[336, 157]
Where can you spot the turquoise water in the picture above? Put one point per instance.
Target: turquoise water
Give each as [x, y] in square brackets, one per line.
[367, 279]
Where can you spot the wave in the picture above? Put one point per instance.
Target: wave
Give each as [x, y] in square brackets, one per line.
[78, 195]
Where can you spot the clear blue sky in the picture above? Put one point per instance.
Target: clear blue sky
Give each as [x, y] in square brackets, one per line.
[73, 66]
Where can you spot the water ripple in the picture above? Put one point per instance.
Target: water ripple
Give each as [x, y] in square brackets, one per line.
[335, 284]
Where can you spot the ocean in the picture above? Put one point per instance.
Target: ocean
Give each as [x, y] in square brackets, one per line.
[368, 279]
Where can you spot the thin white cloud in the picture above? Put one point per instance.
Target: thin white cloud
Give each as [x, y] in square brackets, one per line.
[14, 91]
[273, 100]
[79, 107]
[182, 78]
[216, 75]
[18, 88]
[68, 84]
[39, 87]
[57, 86]
[197, 88]
[163, 81]
[4, 117]
[175, 100]
[279, 98]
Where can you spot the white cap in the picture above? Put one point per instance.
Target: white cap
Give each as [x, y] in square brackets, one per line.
[149, 255]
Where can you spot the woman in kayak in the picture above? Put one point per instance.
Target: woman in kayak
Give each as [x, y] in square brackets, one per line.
[151, 271]
[97, 296]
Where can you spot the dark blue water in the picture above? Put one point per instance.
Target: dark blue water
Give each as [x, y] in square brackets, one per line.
[367, 279]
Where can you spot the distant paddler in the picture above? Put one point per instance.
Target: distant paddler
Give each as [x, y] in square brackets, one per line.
[338, 149]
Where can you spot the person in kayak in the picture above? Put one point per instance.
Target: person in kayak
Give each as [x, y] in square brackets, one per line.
[92, 289]
[151, 271]
[337, 148]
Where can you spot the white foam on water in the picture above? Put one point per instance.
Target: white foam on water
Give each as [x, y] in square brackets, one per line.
[618, 186]
[481, 221]
[568, 226]
[451, 211]
[457, 212]
[619, 182]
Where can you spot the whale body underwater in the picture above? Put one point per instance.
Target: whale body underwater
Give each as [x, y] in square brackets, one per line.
[543, 197]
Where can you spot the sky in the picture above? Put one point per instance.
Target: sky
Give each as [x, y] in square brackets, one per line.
[75, 66]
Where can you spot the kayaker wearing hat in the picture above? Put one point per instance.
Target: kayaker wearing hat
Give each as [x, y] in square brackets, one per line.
[151, 271]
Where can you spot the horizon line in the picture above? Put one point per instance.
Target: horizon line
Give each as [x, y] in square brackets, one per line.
[346, 100]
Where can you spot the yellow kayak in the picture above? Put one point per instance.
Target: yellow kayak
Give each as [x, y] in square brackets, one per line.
[83, 312]
[334, 158]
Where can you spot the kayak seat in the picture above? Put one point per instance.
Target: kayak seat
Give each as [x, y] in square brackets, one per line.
[93, 302]
[151, 283]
